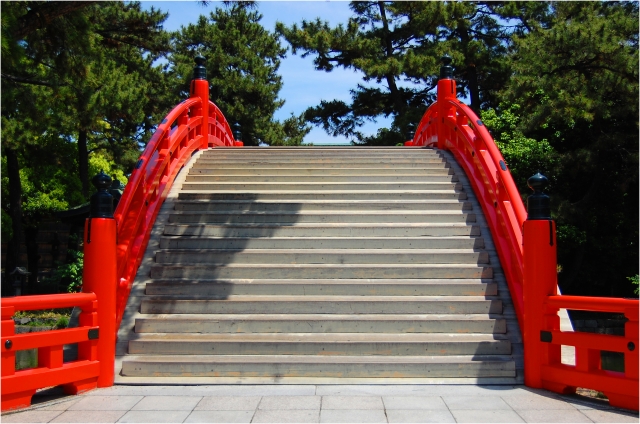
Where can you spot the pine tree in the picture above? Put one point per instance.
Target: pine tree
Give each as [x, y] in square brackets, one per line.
[242, 63]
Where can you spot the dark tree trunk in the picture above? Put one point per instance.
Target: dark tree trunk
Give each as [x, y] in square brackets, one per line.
[471, 72]
[398, 104]
[83, 162]
[33, 257]
[15, 211]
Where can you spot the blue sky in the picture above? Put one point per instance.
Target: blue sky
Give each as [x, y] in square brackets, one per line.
[303, 86]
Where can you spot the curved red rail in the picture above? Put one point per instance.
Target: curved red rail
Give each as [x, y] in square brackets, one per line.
[531, 273]
[184, 131]
[449, 124]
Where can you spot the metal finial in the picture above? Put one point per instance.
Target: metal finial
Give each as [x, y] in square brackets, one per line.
[199, 71]
[102, 200]
[538, 203]
[446, 70]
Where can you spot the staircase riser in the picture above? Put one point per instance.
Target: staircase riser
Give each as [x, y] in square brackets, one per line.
[293, 271]
[279, 206]
[323, 289]
[240, 186]
[265, 257]
[182, 347]
[168, 325]
[150, 306]
[305, 164]
[321, 243]
[289, 219]
[136, 368]
[319, 231]
[382, 161]
[250, 173]
[327, 179]
[325, 195]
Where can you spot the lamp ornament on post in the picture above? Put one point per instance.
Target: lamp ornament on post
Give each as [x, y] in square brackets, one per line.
[446, 94]
[99, 273]
[200, 88]
[540, 280]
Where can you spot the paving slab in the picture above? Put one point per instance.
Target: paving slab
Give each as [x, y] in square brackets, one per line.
[220, 417]
[352, 402]
[167, 403]
[228, 403]
[486, 416]
[493, 403]
[286, 416]
[600, 416]
[346, 416]
[419, 416]
[536, 402]
[413, 402]
[88, 417]
[105, 403]
[154, 417]
[554, 416]
[290, 402]
[58, 405]
[35, 416]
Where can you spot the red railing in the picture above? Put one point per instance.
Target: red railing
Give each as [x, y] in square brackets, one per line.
[449, 124]
[527, 251]
[76, 376]
[112, 257]
[180, 134]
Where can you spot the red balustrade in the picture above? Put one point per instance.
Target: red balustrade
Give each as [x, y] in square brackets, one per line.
[196, 123]
[76, 376]
[527, 251]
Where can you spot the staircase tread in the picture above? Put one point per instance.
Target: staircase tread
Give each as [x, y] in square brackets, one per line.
[332, 359]
[324, 337]
[330, 212]
[347, 251]
[319, 265]
[324, 298]
[322, 317]
[341, 281]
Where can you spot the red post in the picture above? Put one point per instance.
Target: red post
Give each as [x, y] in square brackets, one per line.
[446, 91]
[99, 273]
[200, 88]
[540, 281]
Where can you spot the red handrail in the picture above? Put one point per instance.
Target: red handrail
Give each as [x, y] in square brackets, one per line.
[450, 124]
[527, 251]
[76, 376]
[196, 123]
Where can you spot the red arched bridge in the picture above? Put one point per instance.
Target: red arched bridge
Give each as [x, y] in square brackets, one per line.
[343, 264]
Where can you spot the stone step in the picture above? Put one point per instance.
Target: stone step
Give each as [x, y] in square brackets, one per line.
[321, 323]
[294, 218]
[318, 152]
[254, 172]
[321, 305]
[320, 186]
[458, 242]
[319, 344]
[314, 178]
[318, 205]
[289, 271]
[306, 160]
[223, 257]
[319, 366]
[324, 230]
[304, 195]
[419, 166]
[311, 287]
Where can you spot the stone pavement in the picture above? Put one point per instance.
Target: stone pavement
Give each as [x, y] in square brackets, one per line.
[317, 403]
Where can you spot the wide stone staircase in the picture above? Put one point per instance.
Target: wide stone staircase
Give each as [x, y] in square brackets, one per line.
[320, 265]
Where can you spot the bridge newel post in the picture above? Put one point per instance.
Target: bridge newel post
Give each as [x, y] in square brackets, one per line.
[446, 91]
[540, 281]
[200, 88]
[99, 272]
